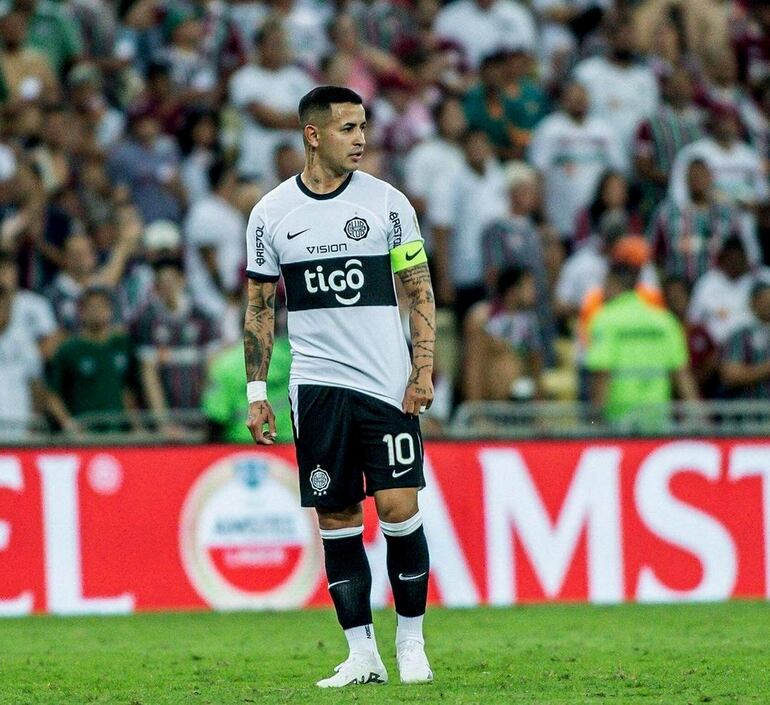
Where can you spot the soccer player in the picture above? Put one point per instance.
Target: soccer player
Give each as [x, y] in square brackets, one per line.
[337, 236]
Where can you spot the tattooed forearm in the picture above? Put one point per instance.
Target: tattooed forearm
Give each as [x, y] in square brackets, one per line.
[422, 317]
[258, 329]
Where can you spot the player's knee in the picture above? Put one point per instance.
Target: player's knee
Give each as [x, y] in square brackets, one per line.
[397, 513]
[396, 505]
[340, 518]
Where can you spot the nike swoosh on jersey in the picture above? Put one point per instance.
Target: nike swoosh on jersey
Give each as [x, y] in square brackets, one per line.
[291, 236]
[403, 472]
[339, 582]
[401, 576]
[409, 256]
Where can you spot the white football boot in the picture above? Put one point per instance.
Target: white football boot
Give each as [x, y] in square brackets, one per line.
[358, 669]
[413, 665]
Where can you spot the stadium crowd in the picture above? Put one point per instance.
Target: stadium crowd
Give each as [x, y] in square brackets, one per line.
[590, 178]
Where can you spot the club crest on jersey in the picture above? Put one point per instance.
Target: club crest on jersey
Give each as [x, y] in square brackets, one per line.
[319, 481]
[356, 228]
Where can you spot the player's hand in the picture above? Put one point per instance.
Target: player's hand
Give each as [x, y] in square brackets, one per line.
[419, 392]
[261, 415]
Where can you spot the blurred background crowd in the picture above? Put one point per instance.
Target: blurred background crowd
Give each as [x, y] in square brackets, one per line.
[590, 177]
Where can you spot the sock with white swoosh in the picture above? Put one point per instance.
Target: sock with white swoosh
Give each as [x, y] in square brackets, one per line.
[350, 584]
[408, 568]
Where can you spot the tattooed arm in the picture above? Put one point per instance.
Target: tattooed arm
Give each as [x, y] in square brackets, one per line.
[258, 347]
[422, 327]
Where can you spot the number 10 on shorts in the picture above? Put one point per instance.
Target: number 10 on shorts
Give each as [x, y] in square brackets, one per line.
[400, 448]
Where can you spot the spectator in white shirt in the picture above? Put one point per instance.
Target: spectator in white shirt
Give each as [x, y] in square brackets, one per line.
[720, 300]
[572, 150]
[198, 141]
[738, 171]
[267, 94]
[213, 236]
[463, 207]
[481, 27]
[21, 371]
[439, 157]
[30, 311]
[565, 23]
[621, 90]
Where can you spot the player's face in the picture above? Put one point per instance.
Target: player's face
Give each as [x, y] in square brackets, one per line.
[341, 140]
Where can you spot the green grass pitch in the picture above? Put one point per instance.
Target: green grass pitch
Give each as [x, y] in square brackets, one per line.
[538, 655]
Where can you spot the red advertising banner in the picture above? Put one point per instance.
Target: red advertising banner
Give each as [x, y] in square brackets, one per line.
[116, 530]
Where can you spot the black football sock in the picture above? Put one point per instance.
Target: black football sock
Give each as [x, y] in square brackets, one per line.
[408, 565]
[349, 575]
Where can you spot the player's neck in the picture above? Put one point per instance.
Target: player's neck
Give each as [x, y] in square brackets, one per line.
[320, 179]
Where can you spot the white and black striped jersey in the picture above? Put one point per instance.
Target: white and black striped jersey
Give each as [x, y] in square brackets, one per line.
[334, 253]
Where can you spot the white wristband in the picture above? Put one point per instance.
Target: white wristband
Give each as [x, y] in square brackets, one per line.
[256, 391]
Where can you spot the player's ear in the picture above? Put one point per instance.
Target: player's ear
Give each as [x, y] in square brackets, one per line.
[311, 134]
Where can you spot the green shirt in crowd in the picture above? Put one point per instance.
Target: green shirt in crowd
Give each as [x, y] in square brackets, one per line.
[640, 346]
[224, 400]
[519, 115]
[54, 33]
[90, 376]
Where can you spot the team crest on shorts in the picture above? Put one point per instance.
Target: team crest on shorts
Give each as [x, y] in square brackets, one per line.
[356, 228]
[320, 480]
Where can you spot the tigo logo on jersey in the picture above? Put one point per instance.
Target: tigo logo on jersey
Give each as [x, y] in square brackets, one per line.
[338, 281]
[356, 228]
[245, 543]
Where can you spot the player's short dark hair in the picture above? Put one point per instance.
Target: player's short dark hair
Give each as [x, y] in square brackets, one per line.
[510, 278]
[322, 98]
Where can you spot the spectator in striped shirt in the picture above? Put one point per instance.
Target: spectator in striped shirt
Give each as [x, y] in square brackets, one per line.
[746, 363]
[677, 123]
[687, 238]
[516, 240]
[173, 338]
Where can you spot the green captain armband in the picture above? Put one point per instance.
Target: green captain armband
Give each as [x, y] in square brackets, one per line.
[407, 255]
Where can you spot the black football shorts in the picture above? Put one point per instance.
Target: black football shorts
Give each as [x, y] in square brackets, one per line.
[346, 438]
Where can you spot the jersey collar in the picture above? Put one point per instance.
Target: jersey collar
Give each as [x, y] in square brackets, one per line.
[323, 196]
